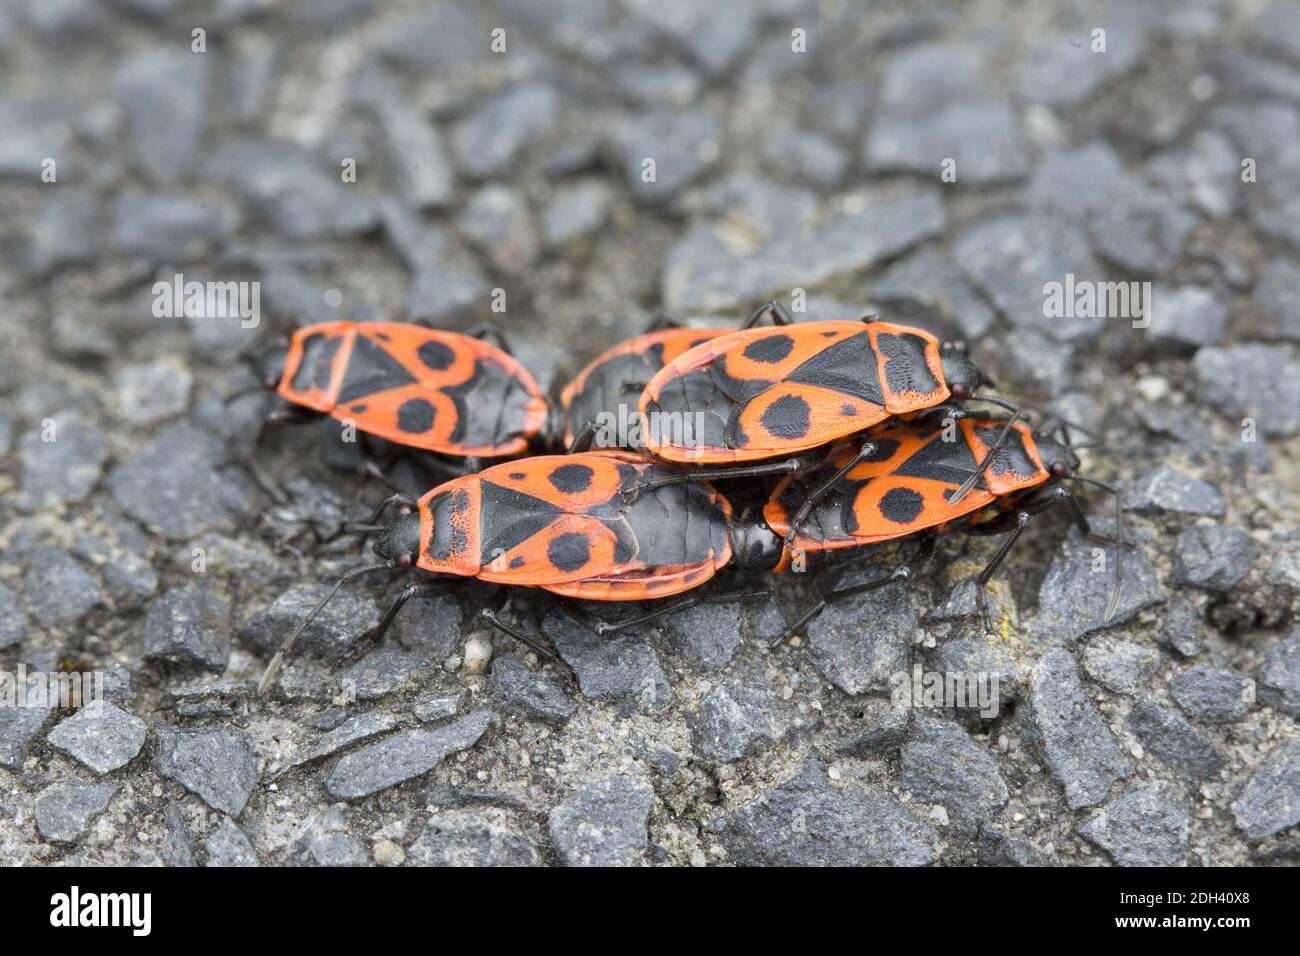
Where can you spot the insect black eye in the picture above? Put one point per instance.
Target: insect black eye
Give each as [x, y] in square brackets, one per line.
[406, 560]
[1059, 470]
[403, 509]
[958, 390]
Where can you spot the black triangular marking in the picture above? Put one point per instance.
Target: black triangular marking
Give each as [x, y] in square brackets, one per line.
[370, 370]
[939, 460]
[848, 366]
[508, 518]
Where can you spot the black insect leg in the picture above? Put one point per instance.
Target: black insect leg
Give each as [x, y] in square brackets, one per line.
[452, 469]
[283, 542]
[492, 616]
[582, 440]
[939, 413]
[1015, 521]
[774, 309]
[787, 466]
[605, 628]
[292, 414]
[370, 470]
[490, 333]
[420, 589]
[661, 322]
[1036, 502]
[372, 524]
[908, 571]
[981, 583]
[865, 450]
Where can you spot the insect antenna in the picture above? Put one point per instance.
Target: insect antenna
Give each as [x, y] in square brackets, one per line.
[1113, 604]
[273, 668]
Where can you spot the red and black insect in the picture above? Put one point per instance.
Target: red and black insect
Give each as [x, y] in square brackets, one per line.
[613, 381]
[566, 524]
[909, 484]
[437, 391]
[761, 401]
[620, 526]
[609, 388]
[768, 393]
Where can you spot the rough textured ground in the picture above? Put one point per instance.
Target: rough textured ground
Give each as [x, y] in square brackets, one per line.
[130, 546]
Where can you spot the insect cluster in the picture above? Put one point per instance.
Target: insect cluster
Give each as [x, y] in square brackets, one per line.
[841, 434]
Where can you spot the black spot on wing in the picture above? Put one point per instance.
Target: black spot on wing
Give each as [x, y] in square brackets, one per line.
[901, 505]
[885, 449]
[906, 369]
[436, 356]
[787, 417]
[569, 551]
[415, 416]
[769, 349]
[571, 479]
[847, 366]
[371, 369]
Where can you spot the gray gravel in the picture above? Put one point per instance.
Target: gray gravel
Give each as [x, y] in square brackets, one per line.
[807, 821]
[514, 188]
[1079, 748]
[103, 737]
[65, 810]
[1144, 827]
[217, 765]
[408, 754]
[603, 823]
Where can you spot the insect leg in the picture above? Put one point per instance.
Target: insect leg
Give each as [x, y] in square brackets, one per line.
[908, 571]
[605, 628]
[292, 414]
[984, 463]
[774, 309]
[491, 615]
[981, 583]
[490, 333]
[420, 589]
[661, 322]
[784, 467]
[865, 450]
